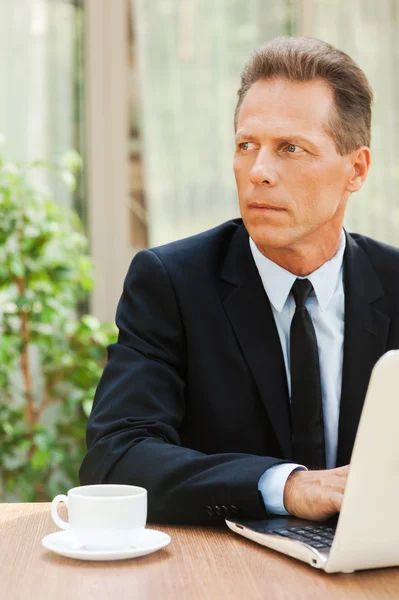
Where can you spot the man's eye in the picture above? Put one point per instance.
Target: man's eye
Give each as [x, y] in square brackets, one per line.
[292, 148]
[244, 145]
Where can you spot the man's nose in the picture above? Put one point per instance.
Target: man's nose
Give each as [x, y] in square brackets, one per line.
[263, 171]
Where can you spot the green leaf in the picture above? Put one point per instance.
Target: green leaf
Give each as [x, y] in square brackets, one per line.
[8, 429]
[68, 178]
[72, 161]
[87, 406]
[40, 459]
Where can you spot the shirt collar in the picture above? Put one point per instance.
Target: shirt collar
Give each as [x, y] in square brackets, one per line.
[278, 281]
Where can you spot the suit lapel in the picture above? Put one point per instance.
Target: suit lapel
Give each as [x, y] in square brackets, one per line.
[365, 340]
[248, 309]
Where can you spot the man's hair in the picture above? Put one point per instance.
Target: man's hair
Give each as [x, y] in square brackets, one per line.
[301, 59]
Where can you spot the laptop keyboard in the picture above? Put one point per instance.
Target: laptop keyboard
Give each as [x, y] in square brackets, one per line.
[317, 536]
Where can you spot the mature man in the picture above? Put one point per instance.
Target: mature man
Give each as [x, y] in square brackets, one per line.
[244, 353]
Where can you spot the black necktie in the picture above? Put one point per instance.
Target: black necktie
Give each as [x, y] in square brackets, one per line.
[306, 401]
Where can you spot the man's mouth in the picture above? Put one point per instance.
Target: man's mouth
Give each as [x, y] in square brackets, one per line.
[265, 206]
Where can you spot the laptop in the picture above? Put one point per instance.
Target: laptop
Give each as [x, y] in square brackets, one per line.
[365, 534]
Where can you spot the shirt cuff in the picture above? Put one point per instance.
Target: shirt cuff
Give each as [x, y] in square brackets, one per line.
[271, 485]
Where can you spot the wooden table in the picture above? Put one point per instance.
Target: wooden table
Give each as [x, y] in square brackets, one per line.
[199, 564]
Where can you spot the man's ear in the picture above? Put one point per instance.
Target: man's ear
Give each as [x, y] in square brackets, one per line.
[360, 160]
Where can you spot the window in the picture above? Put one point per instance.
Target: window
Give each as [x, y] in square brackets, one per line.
[189, 57]
[42, 75]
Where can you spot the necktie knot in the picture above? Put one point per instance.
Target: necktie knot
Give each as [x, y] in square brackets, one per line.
[301, 291]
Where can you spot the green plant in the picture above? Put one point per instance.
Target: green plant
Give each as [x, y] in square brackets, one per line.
[51, 359]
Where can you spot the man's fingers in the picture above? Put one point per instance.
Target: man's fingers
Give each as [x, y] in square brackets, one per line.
[315, 494]
[337, 499]
[342, 471]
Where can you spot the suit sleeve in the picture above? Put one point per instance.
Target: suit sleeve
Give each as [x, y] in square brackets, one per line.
[133, 429]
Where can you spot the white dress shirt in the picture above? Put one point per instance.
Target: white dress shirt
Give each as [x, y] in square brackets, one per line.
[326, 306]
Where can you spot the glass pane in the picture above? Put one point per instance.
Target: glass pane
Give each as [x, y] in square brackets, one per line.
[190, 55]
[41, 70]
[368, 31]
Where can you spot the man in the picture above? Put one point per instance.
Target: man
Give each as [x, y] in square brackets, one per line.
[244, 353]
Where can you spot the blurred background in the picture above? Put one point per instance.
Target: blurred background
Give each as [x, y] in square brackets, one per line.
[133, 101]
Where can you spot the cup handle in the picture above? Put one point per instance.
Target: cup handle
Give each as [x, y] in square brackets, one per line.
[54, 511]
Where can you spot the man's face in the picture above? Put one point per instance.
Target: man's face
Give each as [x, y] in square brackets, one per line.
[292, 183]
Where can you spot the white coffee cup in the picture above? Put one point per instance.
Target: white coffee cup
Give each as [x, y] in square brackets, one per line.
[104, 516]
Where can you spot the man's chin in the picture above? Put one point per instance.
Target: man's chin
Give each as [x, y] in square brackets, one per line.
[272, 237]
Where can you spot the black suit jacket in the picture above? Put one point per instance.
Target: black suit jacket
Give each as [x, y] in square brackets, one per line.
[193, 402]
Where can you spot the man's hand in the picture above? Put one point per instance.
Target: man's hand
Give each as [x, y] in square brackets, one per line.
[315, 495]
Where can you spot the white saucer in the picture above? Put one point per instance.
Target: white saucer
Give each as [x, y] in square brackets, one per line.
[66, 544]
